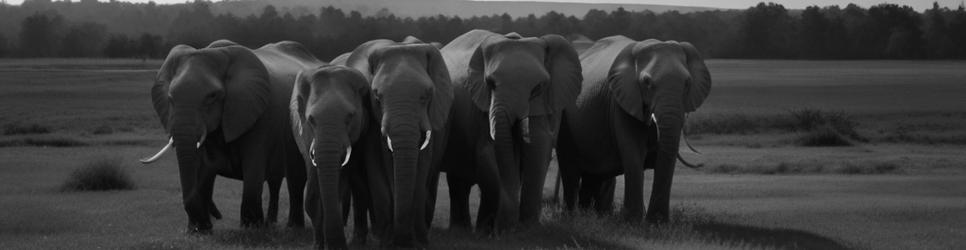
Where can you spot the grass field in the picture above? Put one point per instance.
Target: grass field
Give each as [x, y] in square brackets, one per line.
[901, 185]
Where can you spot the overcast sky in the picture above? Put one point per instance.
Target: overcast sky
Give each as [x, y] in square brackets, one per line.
[919, 5]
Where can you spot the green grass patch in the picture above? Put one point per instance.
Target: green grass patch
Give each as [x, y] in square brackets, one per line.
[25, 129]
[99, 175]
[59, 142]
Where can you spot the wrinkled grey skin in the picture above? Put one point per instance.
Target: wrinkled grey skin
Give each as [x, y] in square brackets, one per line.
[629, 117]
[411, 95]
[226, 107]
[509, 94]
[331, 116]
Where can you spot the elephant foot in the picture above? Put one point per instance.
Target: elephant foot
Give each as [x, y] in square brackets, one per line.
[199, 228]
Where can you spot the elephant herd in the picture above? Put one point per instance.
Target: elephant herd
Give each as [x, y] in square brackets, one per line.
[372, 130]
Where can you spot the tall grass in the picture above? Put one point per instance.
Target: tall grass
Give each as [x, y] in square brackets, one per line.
[99, 175]
[815, 127]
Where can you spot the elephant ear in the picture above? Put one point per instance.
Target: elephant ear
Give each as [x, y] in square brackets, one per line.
[412, 40]
[246, 92]
[700, 85]
[563, 65]
[222, 43]
[476, 82]
[624, 85]
[159, 91]
[297, 103]
[442, 99]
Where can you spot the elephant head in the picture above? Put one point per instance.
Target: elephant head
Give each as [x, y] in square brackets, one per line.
[218, 92]
[329, 109]
[659, 83]
[411, 98]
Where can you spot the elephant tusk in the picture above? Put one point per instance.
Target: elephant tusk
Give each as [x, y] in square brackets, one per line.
[688, 164]
[684, 135]
[525, 129]
[429, 134]
[654, 119]
[492, 116]
[389, 143]
[312, 153]
[158, 155]
[348, 153]
[204, 135]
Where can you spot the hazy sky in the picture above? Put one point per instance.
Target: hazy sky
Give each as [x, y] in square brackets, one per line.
[734, 4]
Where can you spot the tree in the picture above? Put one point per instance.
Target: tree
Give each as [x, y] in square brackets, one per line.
[150, 46]
[766, 31]
[119, 46]
[83, 40]
[39, 34]
[936, 32]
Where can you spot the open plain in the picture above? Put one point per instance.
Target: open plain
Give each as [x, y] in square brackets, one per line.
[897, 182]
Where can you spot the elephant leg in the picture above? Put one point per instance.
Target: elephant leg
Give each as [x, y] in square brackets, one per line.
[533, 170]
[488, 178]
[589, 186]
[378, 180]
[633, 187]
[570, 183]
[360, 205]
[605, 196]
[661, 192]
[459, 204]
[433, 189]
[274, 187]
[254, 179]
[313, 205]
[208, 186]
[295, 177]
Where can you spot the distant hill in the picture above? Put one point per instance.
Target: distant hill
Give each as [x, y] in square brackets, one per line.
[417, 8]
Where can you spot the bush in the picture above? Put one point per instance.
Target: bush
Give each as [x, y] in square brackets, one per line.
[99, 175]
[103, 130]
[816, 120]
[823, 137]
[24, 129]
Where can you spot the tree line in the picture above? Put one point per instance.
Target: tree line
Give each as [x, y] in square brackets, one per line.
[767, 30]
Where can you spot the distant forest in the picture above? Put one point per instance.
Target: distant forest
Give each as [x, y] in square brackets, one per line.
[41, 28]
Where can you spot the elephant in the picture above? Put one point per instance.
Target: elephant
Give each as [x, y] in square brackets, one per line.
[509, 95]
[629, 117]
[331, 116]
[225, 108]
[411, 98]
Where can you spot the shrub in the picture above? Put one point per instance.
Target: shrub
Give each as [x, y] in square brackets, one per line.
[24, 129]
[99, 175]
[102, 130]
[816, 120]
[823, 137]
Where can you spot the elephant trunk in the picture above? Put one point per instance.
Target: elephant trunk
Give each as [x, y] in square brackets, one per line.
[185, 136]
[405, 156]
[669, 124]
[508, 165]
[328, 160]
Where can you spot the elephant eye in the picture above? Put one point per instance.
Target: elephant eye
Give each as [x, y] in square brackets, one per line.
[490, 83]
[536, 90]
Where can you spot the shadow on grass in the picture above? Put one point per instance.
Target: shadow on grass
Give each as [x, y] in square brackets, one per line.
[272, 236]
[779, 238]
